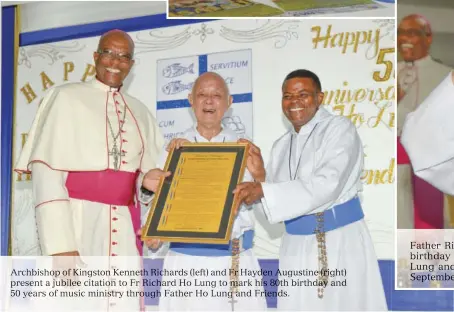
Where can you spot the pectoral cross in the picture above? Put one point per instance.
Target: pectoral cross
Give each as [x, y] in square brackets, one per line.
[115, 152]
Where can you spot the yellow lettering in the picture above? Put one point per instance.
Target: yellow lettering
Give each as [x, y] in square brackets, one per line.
[390, 96]
[28, 92]
[345, 40]
[345, 93]
[367, 176]
[375, 120]
[327, 99]
[318, 39]
[382, 97]
[388, 65]
[356, 118]
[28, 176]
[377, 176]
[90, 70]
[341, 96]
[45, 80]
[69, 68]
[375, 41]
[382, 94]
[361, 38]
[360, 95]
[392, 118]
[339, 38]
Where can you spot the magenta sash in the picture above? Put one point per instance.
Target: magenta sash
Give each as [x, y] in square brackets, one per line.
[428, 202]
[117, 188]
[402, 156]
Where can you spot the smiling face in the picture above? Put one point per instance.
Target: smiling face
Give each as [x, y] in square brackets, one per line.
[114, 58]
[300, 101]
[413, 38]
[210, 100]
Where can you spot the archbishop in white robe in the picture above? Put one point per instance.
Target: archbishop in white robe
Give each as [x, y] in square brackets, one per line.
[322, 175]
[88, 149]
[416, 79]
[177, 256]
[428, 137]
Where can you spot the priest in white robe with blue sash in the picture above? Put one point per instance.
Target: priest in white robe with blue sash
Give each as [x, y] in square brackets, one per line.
[428, 137]
[210, 99]
[311, 183]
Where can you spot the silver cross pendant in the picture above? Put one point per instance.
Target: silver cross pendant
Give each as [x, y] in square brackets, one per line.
[115, 153]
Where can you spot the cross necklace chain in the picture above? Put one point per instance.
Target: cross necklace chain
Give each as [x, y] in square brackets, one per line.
[293, 176]
[115, 151]
[319, 230]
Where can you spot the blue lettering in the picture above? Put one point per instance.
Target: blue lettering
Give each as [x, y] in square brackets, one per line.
[166, 123]
[170, 136]
[234, 64]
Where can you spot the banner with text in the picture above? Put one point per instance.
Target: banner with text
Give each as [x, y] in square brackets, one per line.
[353, 58]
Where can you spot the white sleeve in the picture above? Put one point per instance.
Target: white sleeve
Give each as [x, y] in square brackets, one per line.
[145, 198]
[160, 252]
[247, 178]
[54, 217]
[287, 200]
[428, 137]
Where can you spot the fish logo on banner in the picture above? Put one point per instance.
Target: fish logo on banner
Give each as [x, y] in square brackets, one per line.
[175, 70]
[175, 87]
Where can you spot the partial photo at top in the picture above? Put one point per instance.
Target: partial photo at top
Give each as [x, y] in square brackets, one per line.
[279, 8]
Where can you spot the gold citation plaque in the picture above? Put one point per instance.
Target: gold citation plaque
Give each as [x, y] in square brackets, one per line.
[196, 203]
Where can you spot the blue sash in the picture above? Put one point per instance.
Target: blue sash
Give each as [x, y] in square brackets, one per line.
[212, 250]
[336, 217]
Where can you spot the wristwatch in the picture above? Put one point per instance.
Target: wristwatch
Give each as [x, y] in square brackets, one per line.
[146, 191]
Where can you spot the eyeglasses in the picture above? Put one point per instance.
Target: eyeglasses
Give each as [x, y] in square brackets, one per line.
[108, 54]
[411, 32]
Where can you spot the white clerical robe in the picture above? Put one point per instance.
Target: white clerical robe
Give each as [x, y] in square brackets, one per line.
[323, 171]
[417, 79]
[74, 131]
[216, 299]
[428, 136]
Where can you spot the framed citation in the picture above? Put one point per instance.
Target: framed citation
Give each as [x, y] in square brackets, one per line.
[196, 204]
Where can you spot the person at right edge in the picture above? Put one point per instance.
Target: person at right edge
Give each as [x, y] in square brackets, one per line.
[419, 205]
[428, 137]
[311, 183]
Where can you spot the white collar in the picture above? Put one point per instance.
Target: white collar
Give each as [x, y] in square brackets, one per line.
[198, 135]
[426, 60]
[320, 115]
[100, 85]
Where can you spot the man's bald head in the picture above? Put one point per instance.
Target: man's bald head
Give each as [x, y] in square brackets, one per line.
[210, 99]
[116, 35]
[421, 21]
[414, 37]
[211, 76]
